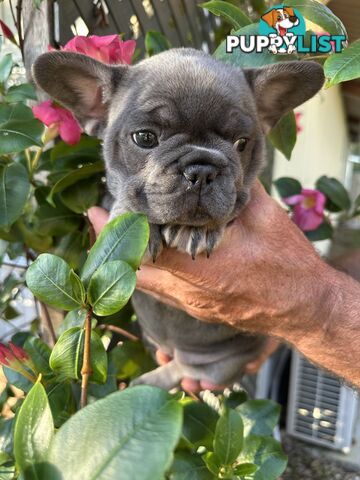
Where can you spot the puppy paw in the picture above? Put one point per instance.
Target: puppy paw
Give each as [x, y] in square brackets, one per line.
[155, 243]
[192, 240]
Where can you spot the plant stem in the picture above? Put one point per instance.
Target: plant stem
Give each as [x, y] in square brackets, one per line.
[120, 331]
[49, 324]
[19, 26]
[86, 369]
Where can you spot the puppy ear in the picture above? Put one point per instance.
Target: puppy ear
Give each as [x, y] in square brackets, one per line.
[80, 83]
[290, 11]
[281, 87]
[269, 18]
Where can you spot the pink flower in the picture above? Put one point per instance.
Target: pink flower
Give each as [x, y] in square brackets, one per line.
[299, 127]
[308, 211]
[107, 49]
[8, 33]
[11, 355]
[59, 118]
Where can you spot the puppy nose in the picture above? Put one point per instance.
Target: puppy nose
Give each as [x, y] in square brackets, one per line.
[293, 19]
[198, 174]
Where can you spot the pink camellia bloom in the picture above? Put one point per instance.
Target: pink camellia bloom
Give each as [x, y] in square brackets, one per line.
[107, 49]
[12, 355]
[59, 118]
[298, 117]
[308, 211]
[8, 33]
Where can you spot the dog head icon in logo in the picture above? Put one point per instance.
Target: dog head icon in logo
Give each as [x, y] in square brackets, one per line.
[281, 19]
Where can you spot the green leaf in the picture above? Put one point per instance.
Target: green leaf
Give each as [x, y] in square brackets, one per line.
[189, 466]
[67, 355]
[18, 111]
[156, 42]
[199, 424]
[133, 432]
[16, 135]
[229, 12]
[287, 186]
[239, 59]
[235, 399]
[56, 221]
[20, 93]
[319, 14]
[335, 192]
[88, 148]
[260, 417]
[81, 196]
[77, 288]
[14, 192]
[111, 287]
[131, 360]
[74, 176]
[75, 318]
[49, 280]
[323, 232]
[61, 401]
[39, 353]
[6, 64]
[16, 379]
[344, 66]
[266, 453]
[124, 238]
[33, 432]
[259, 6]
[229, 437]
[283, 135]
[212, 463]
[245, 469]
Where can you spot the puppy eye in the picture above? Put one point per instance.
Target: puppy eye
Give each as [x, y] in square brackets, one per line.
[241, 143]
[145, 139]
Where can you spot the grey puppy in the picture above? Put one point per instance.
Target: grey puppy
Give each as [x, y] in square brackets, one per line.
[183, 141]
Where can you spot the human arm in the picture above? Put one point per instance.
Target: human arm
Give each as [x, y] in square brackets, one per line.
[267, 278]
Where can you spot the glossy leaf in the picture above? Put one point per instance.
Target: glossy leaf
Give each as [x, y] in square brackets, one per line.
[343, 66]
[133, 432]
[49, 278]
[20, 93]
[319, 14]
[235, 399]
[156, 42]
[287, 186]
[75, 318]
[124, 238]
[283, 135]
[17, 135]
[266, 453]
[33, 432]
[77, 288]
[245, 469]
[81, 196]
[131, 359]
[14, 192]
[18, 380]
[199, 424]
[228, 12]
[323, 232]
[259, 416]
[212, 463]
[335, 192]
[56, 221]
[39, 353]
[111, 287]
[74, 176]
[18, 111]
[6, 64]
[67, 356]
[229, 437]
[189, 466]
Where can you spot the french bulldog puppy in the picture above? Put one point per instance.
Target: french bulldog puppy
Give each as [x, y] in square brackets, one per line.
[183, 141]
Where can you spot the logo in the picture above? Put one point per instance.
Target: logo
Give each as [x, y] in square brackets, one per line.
[283, 30]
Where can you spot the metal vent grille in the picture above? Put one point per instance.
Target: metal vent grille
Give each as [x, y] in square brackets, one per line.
[320, 410]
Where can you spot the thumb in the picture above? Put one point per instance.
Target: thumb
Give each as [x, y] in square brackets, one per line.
[98, 217]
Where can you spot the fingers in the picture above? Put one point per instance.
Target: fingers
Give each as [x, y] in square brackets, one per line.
[98, 217]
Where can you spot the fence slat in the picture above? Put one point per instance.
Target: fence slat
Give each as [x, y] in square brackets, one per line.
[167, 22]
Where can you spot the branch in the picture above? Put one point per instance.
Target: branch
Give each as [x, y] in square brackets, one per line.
[86, 369]
[19, 26]
[120, 331]
[49, 325]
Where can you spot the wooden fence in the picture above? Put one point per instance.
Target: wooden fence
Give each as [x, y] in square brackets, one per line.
[183, 22]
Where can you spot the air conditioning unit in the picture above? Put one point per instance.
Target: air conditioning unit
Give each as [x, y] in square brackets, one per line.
[321, 409]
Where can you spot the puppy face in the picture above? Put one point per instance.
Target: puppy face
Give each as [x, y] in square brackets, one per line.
[281, 17]
[183, 133]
